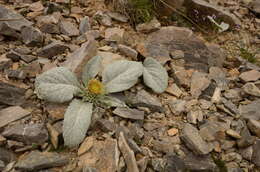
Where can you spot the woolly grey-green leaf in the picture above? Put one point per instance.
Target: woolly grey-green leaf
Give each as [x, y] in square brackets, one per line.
[57, 93]
[57, 85]
[76, 122]
[112, 101]
[121, 75]
[91, 69]
[155, 76]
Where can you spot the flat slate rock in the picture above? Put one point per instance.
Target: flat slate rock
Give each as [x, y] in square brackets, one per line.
[40, 160]
[161, 43]
[192, 139]
[13, 26]
[129, 113]
[27, 133]
[11, 95]
[11, 114]
[250, 111]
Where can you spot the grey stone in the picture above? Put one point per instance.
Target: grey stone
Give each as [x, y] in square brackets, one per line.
[254, 127]
[117, 16]
[175, 164]
[52, 49]
[252, 75]
[12, 27]
[219, 76]
[28, 134]
[209, 130]
[114, 34]
[103, 18]
[251, 89]
[129, 113]
[246, 139]
[78, 59]
[11, 114]
[40, 160]
[158, 164]
[256, 153]
[16, 56]
[6, 155]
[159, 44]
[149, 27]
[105, 125]
[195, 116]
[233, 94]
[13, 55]
[144, 99]
[32, 36]
[84, 25]
[177, 106]
[250, 111]
[103, 156]
[128, 154]
[68, 28]
[233, 134]
[199, 82]
[48, 24]
[199, 10]
[230, 106]
[247, 153]
[127, 51]
[182, 76]
[15, 74]
[192, 139]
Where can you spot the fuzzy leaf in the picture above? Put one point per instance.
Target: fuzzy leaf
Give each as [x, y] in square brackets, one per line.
[76, 122]
[121, 75]
[91, 69]
[155, 76]
[113, 101]
[57, 85]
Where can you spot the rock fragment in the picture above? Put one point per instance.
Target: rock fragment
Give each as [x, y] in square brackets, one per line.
[199, 82]
[84, 25]
[28, 134]
[129, 113]
[68, 28]
[251, 89]
[128, 154]
[192, 139]
[250, 111]
[40, 160]
[13, 26]
[254, 127]
[32, 36]
[149, 27]
[127, 51]
[77, 60]
[252, 75]
[12, 114]
[52, 49]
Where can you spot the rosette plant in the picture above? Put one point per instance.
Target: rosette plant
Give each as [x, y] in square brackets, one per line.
[60, 85]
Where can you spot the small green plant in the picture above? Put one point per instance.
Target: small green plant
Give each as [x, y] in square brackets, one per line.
[244, 53]
[60, 85]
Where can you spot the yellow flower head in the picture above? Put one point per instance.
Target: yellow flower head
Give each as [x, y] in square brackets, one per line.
[95, 87]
